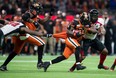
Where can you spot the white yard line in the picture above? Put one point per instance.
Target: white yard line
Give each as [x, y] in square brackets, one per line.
[32, 61]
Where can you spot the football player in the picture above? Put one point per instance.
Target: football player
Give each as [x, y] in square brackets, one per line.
[30, 20]
[96, 27]
[72, 37]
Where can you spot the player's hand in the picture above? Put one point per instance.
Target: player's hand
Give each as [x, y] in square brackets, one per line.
[48, 35]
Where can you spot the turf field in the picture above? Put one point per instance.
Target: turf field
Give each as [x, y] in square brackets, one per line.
[25, 67]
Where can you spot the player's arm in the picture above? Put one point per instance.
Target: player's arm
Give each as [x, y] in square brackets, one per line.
[3, 21]
[38, 25]
[75, 33]
[26, 30]
[91, 30]
[102, 30]
[42, 28]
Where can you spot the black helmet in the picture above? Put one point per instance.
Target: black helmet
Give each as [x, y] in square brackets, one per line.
[84, 18]
[36, 6]
[93, 15]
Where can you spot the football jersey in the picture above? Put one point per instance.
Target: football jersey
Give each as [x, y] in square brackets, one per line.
[96, 25]
[11, 28]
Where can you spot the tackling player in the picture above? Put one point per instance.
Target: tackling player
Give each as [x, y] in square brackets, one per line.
[30, 20]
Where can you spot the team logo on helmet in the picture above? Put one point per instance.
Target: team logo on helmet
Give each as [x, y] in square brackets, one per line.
[37, 7]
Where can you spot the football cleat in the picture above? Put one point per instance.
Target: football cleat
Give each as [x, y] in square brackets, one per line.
[72, 68]
[46, 65]
[112, 68]
[103, 67]
[40, 65]
[3, 68]
[79, 67]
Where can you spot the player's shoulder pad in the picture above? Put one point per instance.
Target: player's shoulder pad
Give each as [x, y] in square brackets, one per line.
[101, 21]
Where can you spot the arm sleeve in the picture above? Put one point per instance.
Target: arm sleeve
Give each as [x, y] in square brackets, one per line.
[2, 21]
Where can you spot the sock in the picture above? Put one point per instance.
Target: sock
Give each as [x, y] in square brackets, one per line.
[40, 53]
[74, 65]
[9, 58]
[115, 62]
[56, 47]
[78, 63]
[58, 59]
[102, 59]
[77, 52]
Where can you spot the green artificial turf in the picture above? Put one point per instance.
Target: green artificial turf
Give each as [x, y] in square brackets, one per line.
[25, 67]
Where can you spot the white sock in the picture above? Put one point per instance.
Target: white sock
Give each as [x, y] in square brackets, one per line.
[78, 63]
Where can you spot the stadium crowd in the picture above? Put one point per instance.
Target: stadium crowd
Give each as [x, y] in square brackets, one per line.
[60, 13]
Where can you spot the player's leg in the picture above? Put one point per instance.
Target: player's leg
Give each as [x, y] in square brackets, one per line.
[40, 43]
[66, 54]
[83, 53]
[103, 53]
[77, 57]
[81, 58]
[17, 48]
[113, 65]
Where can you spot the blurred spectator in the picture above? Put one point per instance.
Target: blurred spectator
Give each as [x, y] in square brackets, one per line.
[61, 5]
[57, 29]
[18, 15]
[112, 5]
[108, 34]
[64, 25]
[3, 14]
[49, 27]
[113, 24]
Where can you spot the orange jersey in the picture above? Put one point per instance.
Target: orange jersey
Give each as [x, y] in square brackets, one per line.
[71, 42]
[64, 34]
[31, 26]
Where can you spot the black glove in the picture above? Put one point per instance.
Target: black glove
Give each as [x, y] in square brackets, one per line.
[36, 24]
[48, 35]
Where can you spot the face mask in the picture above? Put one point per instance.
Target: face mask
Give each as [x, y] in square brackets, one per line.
[93, 18]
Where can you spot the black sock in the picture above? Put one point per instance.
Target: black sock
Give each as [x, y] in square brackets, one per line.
[58, 59]
[56, 48]
[9, 58]
[77, 52]
[40, 53]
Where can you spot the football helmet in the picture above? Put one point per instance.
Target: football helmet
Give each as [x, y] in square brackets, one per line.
[84, 18]
[37, 7]
[93, 15]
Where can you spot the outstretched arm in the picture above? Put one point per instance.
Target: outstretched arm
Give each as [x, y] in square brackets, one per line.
[24, 29]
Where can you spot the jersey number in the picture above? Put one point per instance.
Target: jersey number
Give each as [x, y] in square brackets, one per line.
[14, 24]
